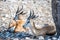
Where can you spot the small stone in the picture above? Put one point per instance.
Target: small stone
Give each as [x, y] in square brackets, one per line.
[27, 38]
[41, 38]
[16, 39]
[7, 15]
[7, 34]
[59, 38]
[49, 39]
[54, 38]
[3, 24]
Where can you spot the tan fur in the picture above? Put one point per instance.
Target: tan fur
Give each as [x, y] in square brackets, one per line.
[42, 31]
[18, 24]
[19, 27]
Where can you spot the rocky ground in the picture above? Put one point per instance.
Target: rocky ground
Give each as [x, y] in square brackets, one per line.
[25, 36]
[42, 9]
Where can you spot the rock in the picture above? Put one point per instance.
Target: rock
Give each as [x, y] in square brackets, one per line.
[54, 38]
[59, 38]
[27, 38]
[41, 38]
[16, 39]
[49, 39]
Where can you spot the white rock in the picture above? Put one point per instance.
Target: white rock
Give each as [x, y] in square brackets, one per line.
[41, 38]
[54, 38]
[27, 38]
[49, 39]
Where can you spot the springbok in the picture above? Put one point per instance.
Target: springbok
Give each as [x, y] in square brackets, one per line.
[46, 30]
[18, 22]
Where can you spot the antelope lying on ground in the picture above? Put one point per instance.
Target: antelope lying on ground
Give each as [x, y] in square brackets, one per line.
[46, 30]
[18, 24]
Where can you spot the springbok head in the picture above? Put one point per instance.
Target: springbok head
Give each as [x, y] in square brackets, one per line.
[31, 16]
[19, 14]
